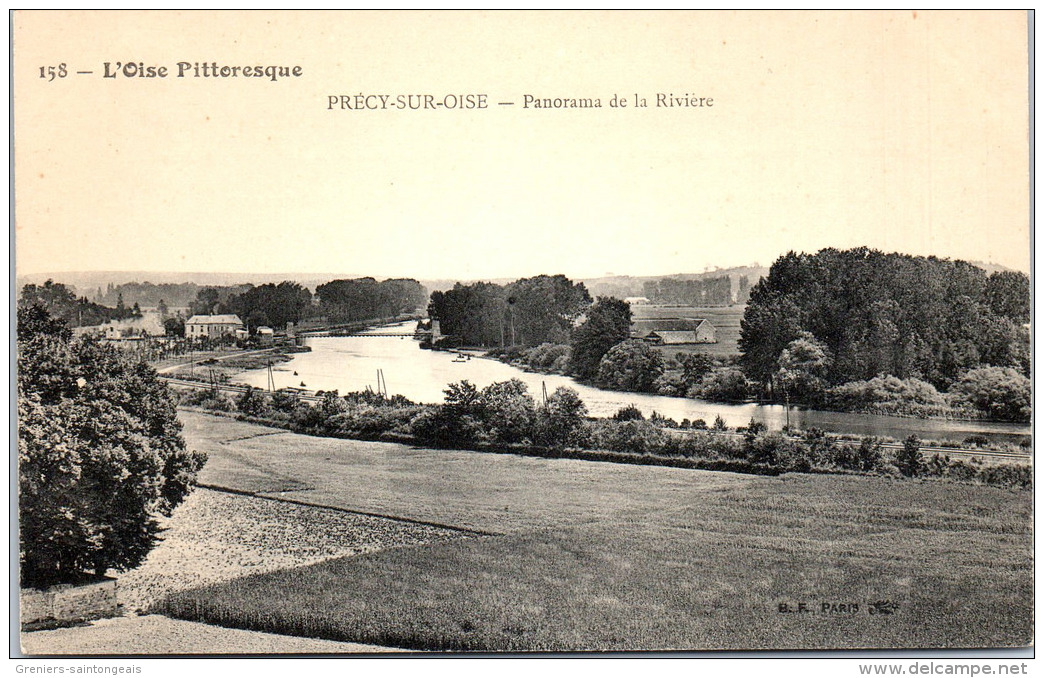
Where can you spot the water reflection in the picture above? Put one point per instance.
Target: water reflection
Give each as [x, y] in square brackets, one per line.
[351, 364]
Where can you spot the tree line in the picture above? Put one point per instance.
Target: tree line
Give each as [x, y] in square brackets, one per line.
[837, 317]
[527, 312]
[75, 311]
[715, 291]
[366, 299]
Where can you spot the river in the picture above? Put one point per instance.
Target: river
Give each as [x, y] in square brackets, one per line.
[351, 364]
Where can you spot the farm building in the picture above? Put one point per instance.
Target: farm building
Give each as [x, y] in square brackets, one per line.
[674, 331]
[212, 325]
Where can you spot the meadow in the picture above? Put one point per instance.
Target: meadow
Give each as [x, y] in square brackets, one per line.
[584, 555]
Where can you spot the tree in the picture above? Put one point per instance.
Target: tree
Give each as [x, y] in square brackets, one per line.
[174, 326]
[909, 459]
[803, 366]
[508, 411]
[608, 323]
[560, 423]
[542, 309]
[1000, 392]
[632, 365]
[100, 455]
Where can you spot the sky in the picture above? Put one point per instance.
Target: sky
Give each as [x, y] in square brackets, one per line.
[901, 131]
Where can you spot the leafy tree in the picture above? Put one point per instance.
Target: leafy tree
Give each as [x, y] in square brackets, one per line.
[632, 365]
[252, 402]
[694, 367]
[1008, 295]
[542, 309]
[367, 299]
[723, 385]
[62, 303]
[174, 326]
[608, 323]
[271, 305]
[100, 455]
[909, 459]
[803, 367]
[508, 411]
[1000, 392]
[560, 423]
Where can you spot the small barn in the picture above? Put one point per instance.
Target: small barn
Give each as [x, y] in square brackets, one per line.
[674, 331]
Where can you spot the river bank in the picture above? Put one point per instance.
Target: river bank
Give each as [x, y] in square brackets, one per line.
[351, 364]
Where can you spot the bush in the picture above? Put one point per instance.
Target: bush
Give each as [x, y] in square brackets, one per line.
[886, 394]
[561, 423]
[253, 402]
[368, 422]
[999, 392]
[909, 459]
[1007, 475]
[285, 401]
[631, 365]
[446, 426]
[639, 437]
[869, 453]
[629, 413]
[723, 384]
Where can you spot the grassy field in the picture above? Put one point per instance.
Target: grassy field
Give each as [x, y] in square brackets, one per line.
[726, 321]
[596, 556]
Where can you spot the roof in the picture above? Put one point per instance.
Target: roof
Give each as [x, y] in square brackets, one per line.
[675, 337]
[226, 319]
[642, 328]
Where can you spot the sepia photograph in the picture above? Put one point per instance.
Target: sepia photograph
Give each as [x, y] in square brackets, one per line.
[522, 333]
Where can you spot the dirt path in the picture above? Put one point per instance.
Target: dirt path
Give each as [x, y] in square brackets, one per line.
[156, 635]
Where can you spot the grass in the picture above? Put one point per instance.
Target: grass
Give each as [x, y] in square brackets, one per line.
[594, 556]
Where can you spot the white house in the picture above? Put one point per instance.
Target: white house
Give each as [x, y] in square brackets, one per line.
[212, 326]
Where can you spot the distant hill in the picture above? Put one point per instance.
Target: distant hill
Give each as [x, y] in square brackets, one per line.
[88, 282]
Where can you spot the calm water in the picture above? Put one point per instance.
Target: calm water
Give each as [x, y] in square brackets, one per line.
[351, 364]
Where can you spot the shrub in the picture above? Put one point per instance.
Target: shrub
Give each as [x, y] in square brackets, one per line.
[723, 384]
[629, 413]
[1000, 392]
[446, 426]
[253, 402]
[869, 453]
[1007, 475]
[886, 394]
[638, 437]
[561, 423]
[285, 401]
[507, 411]
[631, 365]
[909, 459]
